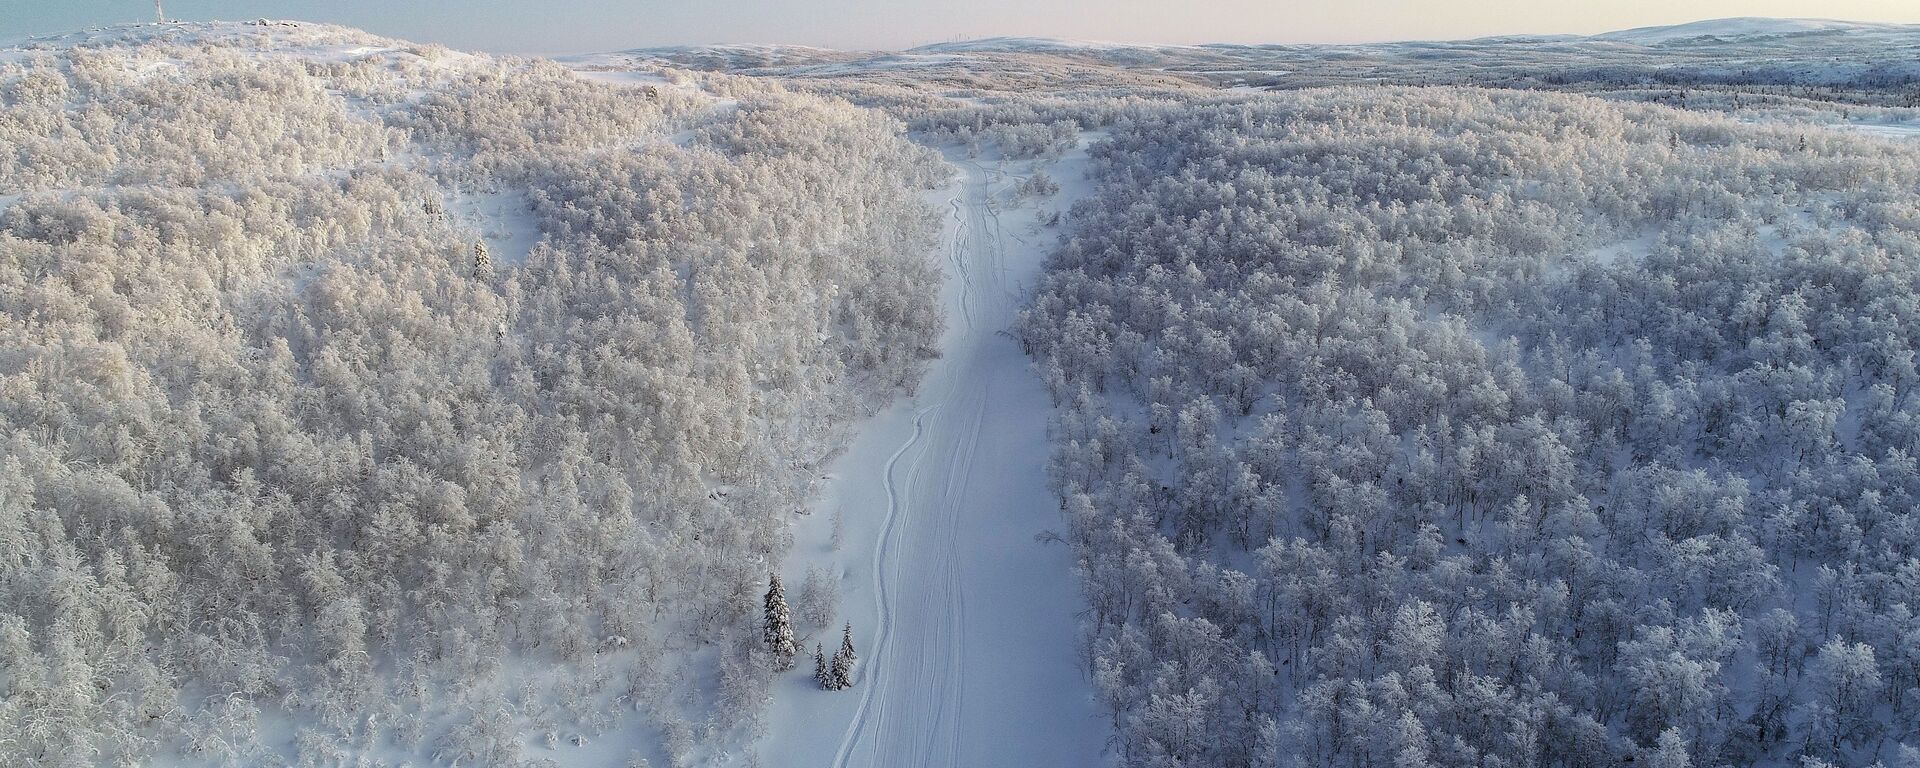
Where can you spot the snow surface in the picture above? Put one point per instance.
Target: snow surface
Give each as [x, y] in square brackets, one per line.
[504, 219]
[964, 621]
[1635, 248]
[1885, 130]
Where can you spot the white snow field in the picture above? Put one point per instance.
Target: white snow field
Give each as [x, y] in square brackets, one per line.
[1886, 130]
[965, 621]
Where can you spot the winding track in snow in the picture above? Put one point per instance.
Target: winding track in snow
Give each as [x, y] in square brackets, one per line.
[968, 622]
[881, 595]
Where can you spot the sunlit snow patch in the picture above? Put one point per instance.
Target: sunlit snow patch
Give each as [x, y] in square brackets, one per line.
[504, 219]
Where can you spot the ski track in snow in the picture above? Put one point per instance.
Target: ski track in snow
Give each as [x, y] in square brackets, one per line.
[965, 623]
[881, 596]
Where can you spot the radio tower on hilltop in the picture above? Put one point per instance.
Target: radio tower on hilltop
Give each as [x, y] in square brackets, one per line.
[159, 16]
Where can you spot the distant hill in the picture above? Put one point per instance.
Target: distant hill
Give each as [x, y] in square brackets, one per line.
[1749, 27]
[1719, 53]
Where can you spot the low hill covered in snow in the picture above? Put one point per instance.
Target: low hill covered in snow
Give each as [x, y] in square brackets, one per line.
[1750, 28]
[1859, 63]
[367, 402]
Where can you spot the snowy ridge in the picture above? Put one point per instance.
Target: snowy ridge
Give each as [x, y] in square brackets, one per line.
[262, 40]
[1033, 45]
[1775, 52]
[727, 58]
[260, 37]
[1722, 30]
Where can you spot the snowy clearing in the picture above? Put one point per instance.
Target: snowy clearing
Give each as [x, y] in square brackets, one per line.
[965, 621]
[1886, 130]
[503, 218]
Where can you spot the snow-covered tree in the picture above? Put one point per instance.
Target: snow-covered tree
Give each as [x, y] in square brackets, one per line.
[776, 626]
[819, 599]
[841, 670]
[1669, 751]
[1450, 413]
[1846, 680]
[822, 674]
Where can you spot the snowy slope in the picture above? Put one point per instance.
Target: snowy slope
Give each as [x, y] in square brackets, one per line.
[965, 622]
[422, 207]
[262, 39]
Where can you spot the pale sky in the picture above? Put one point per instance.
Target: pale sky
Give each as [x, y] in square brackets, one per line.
[579, 26]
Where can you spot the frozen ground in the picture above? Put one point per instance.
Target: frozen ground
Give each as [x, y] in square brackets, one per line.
[965, 621]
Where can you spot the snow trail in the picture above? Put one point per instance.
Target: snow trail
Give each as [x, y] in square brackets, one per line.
[965, 622]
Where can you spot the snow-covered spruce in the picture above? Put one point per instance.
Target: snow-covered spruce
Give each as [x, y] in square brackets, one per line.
[840, 672]
[822, 673]
[777, 626]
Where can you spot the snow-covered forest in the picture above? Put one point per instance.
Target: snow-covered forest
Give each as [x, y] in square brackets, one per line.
[1528, 401]
[1460, 427]
[364, 400]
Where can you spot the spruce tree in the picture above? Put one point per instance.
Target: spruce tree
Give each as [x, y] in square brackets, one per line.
[820, 673]
[482, 259]
[778, 626]
[843, 659]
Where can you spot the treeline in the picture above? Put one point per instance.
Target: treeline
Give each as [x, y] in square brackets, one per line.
[1458, 427]
[294, 470]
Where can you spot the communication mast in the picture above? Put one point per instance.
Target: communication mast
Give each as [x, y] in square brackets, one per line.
[159, 16]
